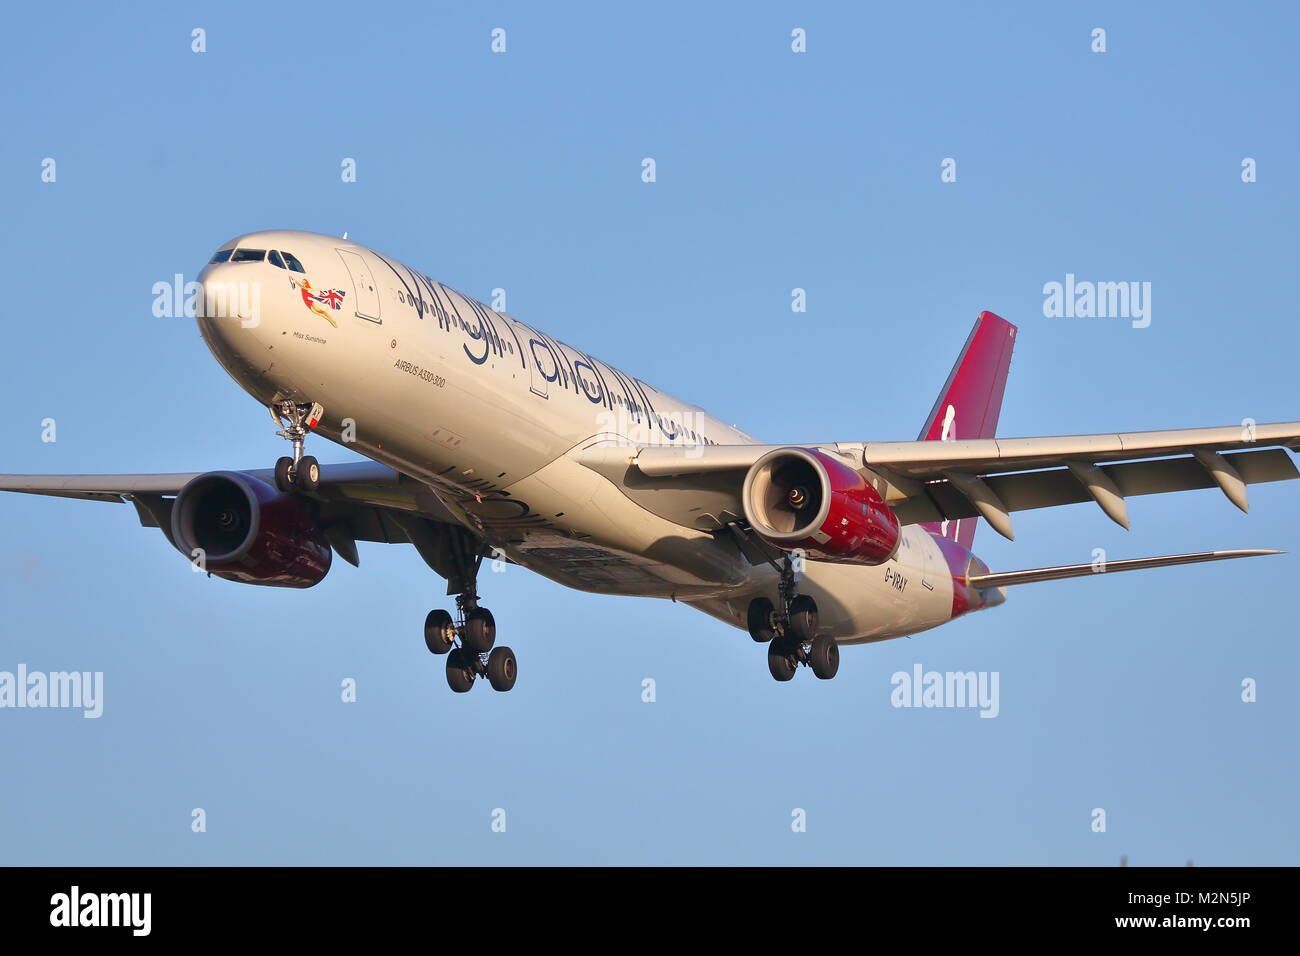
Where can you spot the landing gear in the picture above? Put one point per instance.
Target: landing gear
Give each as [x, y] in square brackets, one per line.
[822, 654]
[791, 632]
[469, 638]
[464, 668]
[301, 472]
[477, 633]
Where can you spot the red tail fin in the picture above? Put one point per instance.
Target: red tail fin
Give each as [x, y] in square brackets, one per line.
[971, 399]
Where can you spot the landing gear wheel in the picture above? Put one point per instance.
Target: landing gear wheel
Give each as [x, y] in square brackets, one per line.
[502, 669]
[760, 620]
[439, 632]
[460, 675]
[301, 472]
[284, 474]
[824, 658]
[307, 475]
[803, 620]
[781, 660]
[480, 631]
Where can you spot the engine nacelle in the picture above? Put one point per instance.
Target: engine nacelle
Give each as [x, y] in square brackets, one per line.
[249, 531]
[801, 498]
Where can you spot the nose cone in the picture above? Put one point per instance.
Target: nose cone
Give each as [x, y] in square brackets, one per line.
[272, 303]
[230, 293]
[233, 321]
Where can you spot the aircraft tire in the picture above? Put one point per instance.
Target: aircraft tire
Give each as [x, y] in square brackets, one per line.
[502, 669]
[824, 658]
[460, 677]
[284, 474]
[759, 620]
[780, 661]
[439, 632]
[480, 631]
[803, 619]
[307, 475]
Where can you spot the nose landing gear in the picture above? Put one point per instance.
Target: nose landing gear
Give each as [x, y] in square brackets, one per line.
[791, 632]
[301, 472]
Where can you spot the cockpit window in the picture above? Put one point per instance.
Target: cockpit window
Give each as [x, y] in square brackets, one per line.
[292, 262]
[248, 255]
[273, 257]
[221, 256]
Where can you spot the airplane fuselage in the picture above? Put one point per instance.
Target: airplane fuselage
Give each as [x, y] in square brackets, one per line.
[490, 412]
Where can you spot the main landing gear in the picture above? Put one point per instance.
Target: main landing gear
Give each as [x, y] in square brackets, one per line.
[301, 472]
[476, 630]
[791, 633]
[474, 656]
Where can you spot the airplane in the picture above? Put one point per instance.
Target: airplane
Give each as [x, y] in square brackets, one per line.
[489, 439]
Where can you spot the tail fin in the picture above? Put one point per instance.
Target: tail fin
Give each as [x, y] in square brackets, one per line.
[971, 399]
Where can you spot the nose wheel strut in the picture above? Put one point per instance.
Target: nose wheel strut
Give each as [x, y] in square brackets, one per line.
[296, 420]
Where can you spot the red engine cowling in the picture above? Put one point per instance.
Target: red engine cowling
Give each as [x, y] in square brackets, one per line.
[801, 498]
[249, 531]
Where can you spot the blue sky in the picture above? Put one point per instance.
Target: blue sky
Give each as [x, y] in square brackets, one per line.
[775, 170]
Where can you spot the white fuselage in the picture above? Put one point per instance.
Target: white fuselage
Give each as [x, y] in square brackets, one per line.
[489, 412]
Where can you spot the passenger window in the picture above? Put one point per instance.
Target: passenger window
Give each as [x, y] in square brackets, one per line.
[273, 257]
[292, 262]
[221, 256]
[248, 255]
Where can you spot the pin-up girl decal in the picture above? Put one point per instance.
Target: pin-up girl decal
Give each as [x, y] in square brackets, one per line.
[330, 297]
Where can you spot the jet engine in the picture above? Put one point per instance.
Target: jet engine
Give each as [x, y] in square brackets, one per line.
[248, 531]
[800, 498]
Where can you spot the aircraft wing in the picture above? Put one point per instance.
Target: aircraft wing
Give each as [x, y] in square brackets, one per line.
[929, 481]
[359, 501]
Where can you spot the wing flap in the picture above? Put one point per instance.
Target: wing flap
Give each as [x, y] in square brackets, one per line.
[1030, 490]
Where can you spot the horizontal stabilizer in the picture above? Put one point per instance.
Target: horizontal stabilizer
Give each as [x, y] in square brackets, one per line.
[1006, 578]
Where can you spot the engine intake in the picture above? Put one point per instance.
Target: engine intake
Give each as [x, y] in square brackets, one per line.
[800, 498]
[250, 532]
